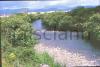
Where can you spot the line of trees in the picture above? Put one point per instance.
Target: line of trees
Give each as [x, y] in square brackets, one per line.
[86, 20]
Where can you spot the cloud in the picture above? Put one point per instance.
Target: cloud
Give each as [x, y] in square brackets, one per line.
[89, 2]
[46, 4]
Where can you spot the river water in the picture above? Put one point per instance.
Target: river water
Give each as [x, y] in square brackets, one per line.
[68, 41]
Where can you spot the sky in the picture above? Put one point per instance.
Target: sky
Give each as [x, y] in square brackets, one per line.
[58, 4]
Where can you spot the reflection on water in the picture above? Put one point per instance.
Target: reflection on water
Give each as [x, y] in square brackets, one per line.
[37, 25]
[59, 39]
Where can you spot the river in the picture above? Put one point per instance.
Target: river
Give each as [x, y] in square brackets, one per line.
[70, 43]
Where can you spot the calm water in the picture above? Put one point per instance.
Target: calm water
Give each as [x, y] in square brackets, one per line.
[71, 43]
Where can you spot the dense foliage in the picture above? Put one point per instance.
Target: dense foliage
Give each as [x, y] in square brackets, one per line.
[86, 20]
[17, 31]
[18, 42]
[92, 27]
[17, 37]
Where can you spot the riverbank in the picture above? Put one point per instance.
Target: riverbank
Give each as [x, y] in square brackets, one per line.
[65, 57]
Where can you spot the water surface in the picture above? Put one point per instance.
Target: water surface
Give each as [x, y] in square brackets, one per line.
[74, 45]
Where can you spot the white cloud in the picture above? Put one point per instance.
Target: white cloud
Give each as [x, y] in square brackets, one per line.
[46, 4]
[89, 2]
[13, 7]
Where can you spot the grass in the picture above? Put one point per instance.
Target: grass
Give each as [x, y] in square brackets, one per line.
[39, 59]
[46, 59]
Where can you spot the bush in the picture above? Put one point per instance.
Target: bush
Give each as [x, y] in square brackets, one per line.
[17, 39]
[17, 31]
[92, 26]
[18, 43]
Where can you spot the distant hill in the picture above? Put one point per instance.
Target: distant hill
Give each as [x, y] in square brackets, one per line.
[55, 8]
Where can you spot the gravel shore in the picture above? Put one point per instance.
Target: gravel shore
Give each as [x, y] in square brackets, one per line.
[65, 57]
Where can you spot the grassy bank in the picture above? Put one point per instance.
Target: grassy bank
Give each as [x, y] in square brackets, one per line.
[18, 41]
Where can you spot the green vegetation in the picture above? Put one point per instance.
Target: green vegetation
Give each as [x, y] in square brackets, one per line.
[86, 20]
[92, 27]
[18, 42]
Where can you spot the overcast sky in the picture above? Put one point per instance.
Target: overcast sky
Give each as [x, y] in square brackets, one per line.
[46, 4]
